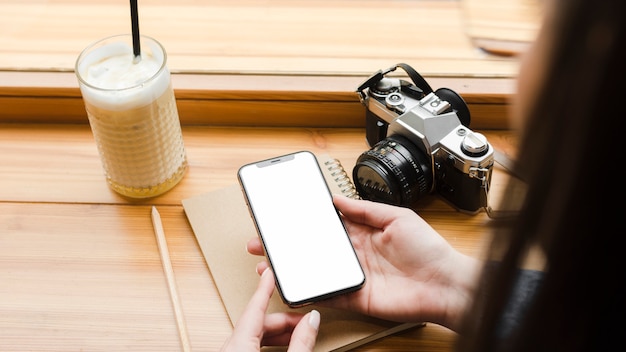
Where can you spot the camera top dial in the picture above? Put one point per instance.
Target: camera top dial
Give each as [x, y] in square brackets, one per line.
[474, 144]
[385, 87]
[395, 102]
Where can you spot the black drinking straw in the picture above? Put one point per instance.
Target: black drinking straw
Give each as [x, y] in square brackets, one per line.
[134, 17]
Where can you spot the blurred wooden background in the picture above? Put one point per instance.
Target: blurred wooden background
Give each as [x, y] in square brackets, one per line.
[327, 37]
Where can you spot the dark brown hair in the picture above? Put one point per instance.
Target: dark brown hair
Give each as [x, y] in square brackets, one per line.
[571, 155]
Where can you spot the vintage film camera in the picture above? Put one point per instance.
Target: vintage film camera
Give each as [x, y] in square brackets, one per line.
[420, 142]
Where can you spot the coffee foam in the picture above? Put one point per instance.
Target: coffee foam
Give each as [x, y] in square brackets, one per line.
[113, 81]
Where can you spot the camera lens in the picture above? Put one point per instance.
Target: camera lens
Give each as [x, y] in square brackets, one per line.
[394, 171]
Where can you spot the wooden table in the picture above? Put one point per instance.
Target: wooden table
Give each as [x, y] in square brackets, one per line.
[79, 265]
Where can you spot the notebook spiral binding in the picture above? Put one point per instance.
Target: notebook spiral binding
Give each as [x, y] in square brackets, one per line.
[341, 178]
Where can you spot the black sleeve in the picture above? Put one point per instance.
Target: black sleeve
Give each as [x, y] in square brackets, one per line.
[526, 286]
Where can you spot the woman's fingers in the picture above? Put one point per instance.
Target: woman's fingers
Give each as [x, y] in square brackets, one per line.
[254, 246]
[261, 267]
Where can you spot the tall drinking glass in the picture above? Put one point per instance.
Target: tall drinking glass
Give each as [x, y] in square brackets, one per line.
[133, 115]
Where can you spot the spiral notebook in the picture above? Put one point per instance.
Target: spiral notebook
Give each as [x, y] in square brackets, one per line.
[336, 176]
[222, 225]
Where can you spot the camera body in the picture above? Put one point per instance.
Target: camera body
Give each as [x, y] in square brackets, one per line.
[421, 143]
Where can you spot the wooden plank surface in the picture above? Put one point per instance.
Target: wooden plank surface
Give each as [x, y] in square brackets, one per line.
[240, 62]
[244, 100]
[59, 163]
[502, 27]
[342, 37]
[80, 267]
[88, 277]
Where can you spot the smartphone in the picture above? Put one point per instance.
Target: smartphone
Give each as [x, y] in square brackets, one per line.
[305, 240]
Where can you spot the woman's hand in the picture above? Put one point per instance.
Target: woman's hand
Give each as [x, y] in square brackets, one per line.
[412, 273]
[255, 329]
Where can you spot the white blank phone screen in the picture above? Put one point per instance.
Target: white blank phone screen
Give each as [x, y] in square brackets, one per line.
[304, 238]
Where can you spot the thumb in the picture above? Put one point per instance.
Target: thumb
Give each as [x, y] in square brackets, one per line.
[305, 333]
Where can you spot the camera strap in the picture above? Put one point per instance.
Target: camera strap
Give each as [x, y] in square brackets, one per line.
[516, 189]
[417, 79]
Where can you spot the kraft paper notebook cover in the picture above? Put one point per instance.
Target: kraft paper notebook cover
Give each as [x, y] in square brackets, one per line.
[222, 225]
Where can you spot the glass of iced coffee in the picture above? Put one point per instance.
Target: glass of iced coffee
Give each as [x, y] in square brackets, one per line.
[133, 115]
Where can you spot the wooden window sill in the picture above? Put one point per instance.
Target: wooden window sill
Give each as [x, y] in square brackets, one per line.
[265, 63]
